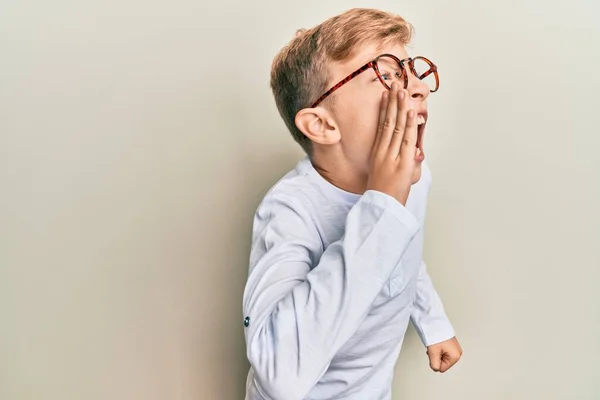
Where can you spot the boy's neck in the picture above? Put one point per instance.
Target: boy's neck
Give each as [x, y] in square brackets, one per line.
[338, 172]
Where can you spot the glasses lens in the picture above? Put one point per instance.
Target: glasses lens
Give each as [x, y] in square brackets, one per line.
[390, 71]
[424, 72]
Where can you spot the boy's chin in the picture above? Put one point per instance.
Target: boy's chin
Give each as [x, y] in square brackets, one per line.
[417, 174]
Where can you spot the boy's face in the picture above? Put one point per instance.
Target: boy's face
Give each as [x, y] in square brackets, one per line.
[357, 103]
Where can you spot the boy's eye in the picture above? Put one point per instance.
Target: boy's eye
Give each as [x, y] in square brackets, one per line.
[389, 75]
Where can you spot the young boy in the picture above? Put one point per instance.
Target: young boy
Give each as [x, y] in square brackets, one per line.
[336, 269]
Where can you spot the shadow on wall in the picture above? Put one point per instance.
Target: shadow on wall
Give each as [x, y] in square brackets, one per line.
[243, 180]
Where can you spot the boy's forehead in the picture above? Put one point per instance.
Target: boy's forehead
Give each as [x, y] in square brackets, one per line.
[368, 52]
[364, 54]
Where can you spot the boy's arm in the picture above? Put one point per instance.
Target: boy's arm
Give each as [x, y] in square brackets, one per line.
[433, 326]
[428, 315]
[298, 310]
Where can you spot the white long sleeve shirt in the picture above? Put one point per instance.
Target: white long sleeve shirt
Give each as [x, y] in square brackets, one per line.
[334, 279]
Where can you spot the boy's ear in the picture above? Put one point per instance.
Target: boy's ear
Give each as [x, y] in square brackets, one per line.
[318, 125]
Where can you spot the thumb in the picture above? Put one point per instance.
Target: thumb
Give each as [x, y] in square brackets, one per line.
[435, 358]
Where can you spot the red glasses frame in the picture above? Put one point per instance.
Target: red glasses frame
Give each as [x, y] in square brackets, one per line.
[373, 64]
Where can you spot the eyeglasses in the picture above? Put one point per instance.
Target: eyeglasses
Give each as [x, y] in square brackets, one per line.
[389, 68]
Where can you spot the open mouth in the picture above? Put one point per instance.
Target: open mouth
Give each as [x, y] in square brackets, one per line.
[421, 119]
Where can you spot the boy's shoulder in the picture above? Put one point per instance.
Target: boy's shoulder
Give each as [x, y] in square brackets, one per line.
[302, 191]
[295, 189]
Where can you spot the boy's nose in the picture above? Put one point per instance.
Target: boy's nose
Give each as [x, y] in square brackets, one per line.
[417, 88]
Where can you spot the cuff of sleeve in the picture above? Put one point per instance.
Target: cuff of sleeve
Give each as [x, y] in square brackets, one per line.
[394, 207]
[440, 334]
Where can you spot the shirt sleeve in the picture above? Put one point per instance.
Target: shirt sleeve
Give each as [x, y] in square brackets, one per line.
[298, 310]
[428, 315]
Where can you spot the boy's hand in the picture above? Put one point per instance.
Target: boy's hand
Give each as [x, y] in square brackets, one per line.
[444, 355]
[393, 155]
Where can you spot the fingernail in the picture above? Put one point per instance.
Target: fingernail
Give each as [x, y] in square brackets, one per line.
[402, 95]
[411, 114]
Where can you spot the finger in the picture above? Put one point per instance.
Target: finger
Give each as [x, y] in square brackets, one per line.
[408, 147]
[400, 123]
[382, 110]
[448, 361]
[444, 366]
[390, 117]
[435, 360]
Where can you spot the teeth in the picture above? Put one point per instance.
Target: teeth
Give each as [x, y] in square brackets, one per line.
[418, 151]
[420, 119]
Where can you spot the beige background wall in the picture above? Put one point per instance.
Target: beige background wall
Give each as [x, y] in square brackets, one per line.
[137, 138]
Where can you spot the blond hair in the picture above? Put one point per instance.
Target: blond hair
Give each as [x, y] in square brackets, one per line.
[300, 71]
